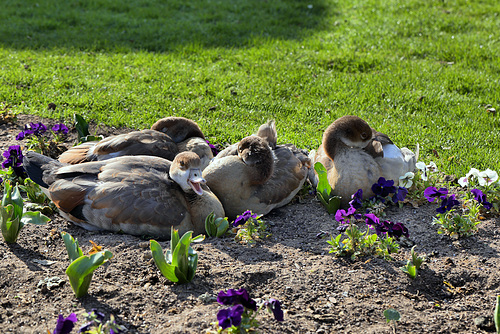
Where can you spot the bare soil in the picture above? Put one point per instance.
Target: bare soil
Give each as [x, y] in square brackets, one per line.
[320, 293]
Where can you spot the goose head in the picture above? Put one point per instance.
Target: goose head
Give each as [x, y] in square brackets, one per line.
[256, 153]
[268, 132]
[178, 128]
[347, 131]
[186, 172]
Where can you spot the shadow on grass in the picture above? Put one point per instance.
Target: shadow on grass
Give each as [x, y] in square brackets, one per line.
[155, 25]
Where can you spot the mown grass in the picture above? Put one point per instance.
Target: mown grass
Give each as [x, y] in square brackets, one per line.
[420, 71]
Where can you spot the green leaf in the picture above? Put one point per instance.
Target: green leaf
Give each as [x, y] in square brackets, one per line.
[410, 269]
[34, 192]
[13, 196]
[80, 271]
[392, 314]
[222, 227]
[10, 227]
[416, 260]
[34, 217]
[324, 190]
[496, 315]
[323, 185]
[174, 239]
[82, 127]
[210, 227]
[167, 270]
[91, 138]
[74, 251]
[193, 264]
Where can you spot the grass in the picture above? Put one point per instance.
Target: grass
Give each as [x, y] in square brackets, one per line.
[420, 71]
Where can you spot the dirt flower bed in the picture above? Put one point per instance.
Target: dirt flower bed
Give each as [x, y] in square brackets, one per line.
[454, 291]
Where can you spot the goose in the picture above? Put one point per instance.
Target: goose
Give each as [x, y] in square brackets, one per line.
[356, 156]
[250, 175]
[166, 138]
[137, 195]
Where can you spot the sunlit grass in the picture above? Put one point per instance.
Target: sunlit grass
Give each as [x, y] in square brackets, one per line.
[419, 71]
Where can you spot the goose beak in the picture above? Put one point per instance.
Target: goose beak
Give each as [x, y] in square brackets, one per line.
[195, 180]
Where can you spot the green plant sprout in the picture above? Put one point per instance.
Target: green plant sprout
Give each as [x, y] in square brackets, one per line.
[216, 227]
[179, 263]
[496, 315]
[360, 243]
[38, 201]
[82, 267]
[413, 265]
[12, 214]
[82, 128]
[249, 228]
[324, 190]
[392, 315]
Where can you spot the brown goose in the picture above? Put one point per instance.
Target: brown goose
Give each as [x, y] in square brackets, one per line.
[356, 156]
[138, 195]
[252, 176]
[166, 138]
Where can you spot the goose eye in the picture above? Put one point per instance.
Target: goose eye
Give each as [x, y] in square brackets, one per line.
[364, 135]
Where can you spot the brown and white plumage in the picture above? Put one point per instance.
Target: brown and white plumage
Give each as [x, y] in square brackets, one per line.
[166, 138]
[356, 156]
[138, 195]
[251, 176]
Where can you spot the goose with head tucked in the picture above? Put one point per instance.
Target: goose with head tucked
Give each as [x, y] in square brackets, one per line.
[166, 138]
[138, 195]
[250, 175]
[356, 156]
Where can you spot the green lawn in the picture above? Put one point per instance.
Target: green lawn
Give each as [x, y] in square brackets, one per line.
[421, 71]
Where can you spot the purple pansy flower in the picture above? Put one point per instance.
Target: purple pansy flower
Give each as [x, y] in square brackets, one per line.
[242, 219]
[447, 204]
[481, 198]
[357, 199]
[341, 214]
[65, 325]
[20, 135]
[371, 219]
[35, 128]
[395, 230]
[274, 306]
[214, 149]
[230, 316]
[400, 195]
[383, 188]
[431, 193]
[61, 128]
[233, 297]
[14, 158]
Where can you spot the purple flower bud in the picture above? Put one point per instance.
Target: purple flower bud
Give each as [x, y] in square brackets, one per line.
[274, 306]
